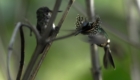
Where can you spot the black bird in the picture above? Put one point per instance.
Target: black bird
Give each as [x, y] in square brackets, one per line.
[96, 36]
[43, 17]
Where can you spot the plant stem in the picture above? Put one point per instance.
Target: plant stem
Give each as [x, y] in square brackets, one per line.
[96, 70]
[10, 46]
[22, 54]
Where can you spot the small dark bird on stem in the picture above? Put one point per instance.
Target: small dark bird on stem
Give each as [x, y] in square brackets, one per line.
[43, 17]
[96, 36]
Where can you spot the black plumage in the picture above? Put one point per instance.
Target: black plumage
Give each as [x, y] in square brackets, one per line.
[43, 16]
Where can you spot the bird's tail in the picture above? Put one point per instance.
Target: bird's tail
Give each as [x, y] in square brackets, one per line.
[108, 60]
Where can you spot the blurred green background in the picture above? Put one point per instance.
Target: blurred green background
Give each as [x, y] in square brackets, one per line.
[67, 59]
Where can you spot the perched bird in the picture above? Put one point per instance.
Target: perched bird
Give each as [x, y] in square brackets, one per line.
[96, 35]
[43, 17]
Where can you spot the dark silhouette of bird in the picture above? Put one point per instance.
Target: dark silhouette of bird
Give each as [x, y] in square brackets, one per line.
[96, 35]
[43, 17]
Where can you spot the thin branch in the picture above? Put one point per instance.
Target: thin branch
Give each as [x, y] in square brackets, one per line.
[90, 9]
[54, 35]
[96, 69]
[10, 47]
[20, 12]
[22, 54]
[65, 13]
[54, 13]
[32, 62]
[62, 37]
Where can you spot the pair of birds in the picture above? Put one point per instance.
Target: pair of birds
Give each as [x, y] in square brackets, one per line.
[93, 30]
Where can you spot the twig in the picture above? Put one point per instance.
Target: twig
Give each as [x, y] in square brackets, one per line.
[21, 10]
[54, 35]
[96, 69]
[10, 49]
[59, 38]
[65, 13]
[22, 54]
[90, 9]
[96, 73]
[54, 13]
